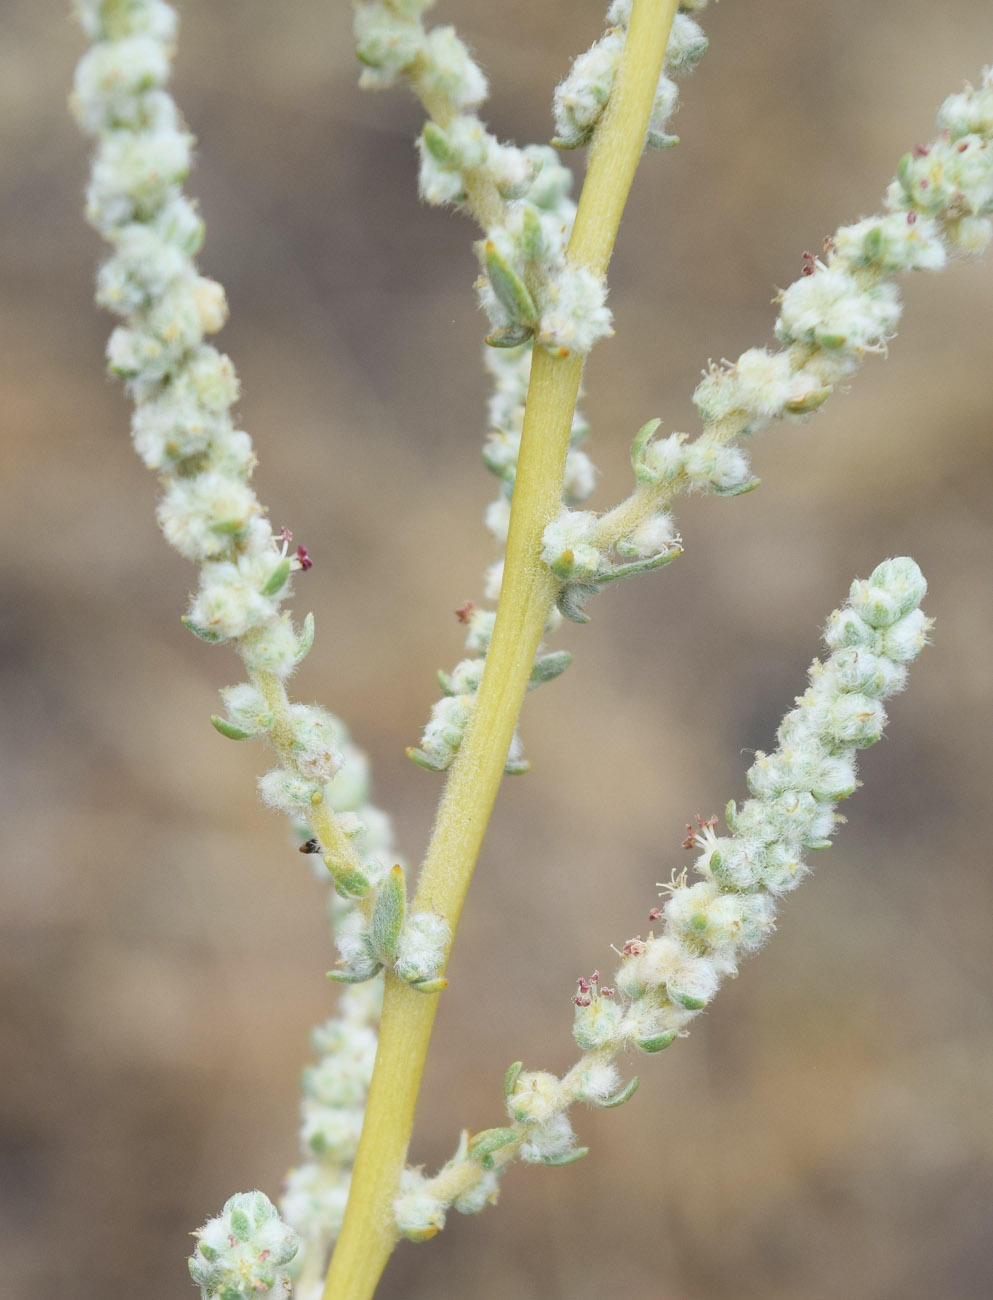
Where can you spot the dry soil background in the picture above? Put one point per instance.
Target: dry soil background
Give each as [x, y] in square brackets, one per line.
[826, 1130]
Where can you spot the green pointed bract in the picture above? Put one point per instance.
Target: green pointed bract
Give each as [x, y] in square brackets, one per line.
[437, 144]
[532, 237]
[658, 1042]
[241, 1224]
[277, 579]
[508, 286]
[810, 402]
[201, 633]
[738, 490]
[229, 729]
[634, 567]
[641, 440]
[349, 882]
[484, 1144]
[306, 639]
[567, 1158]
[619, 1098]
[388, 915]
[517, 766]
[445, 682]
[571, 599]
[549, 666]
[429, 763]
[352, 977]
[509, 336]
[510, 1078]
[436, 985]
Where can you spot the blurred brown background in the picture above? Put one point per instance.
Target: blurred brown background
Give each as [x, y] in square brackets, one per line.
[827, 1129]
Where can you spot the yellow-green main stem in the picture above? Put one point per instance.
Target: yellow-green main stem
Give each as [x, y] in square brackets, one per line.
[368, 1234]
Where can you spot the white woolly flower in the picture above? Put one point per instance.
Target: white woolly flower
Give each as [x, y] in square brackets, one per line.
[331, 1131]
[893, 243]
[113, 77]
[582, 96]
[687, 44]
[450, 71]
[971, 112]
[830, 308]
[710, 466]
[134, 174]
[548, 1142]
[580, 477]
[386, 43]
[152, 18]
[203, 517]
[654, 536]
[143, 267]
[423, 946]
[567, 545]
[535, 1098]
[574, 314]
[244, 1251]
[497, 518]
[231, 599]
[417, 1211]
[663, 107]
[314, 1198]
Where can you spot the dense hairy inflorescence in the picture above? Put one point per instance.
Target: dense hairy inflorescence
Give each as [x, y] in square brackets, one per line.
[706, 926]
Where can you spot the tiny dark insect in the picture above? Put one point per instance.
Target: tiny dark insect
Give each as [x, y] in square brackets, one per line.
[311, 846]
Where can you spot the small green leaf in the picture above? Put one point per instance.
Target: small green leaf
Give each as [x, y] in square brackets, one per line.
[872, 245]
[570, 601]
[731, 815]
[509, 336]
[641, 440]
[351, 977]
[517, 766]
[619, 1098]
[388, 915]
[305, 640]
[229, 729]
[436, 985]
[738, 490]
[508, 286]
[532, 238]
[427, 761]
[688, 1000]
[437, 144]
[567, 1158]
[634, 567]
[483, 1145]
[445, 682]
[241, 1225]
[277, 578]
[203, 633]
[659, 1042]
[811, 401]
[510, 1078]
[228, 527]
[549, 666]
[350, 882]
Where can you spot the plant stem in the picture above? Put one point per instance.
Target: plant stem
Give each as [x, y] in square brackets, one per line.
[368, 1234]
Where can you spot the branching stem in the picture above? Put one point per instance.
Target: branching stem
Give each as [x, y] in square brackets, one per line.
[368, 1234]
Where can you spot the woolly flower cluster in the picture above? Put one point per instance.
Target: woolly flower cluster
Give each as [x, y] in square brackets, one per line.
[334, 1093]
[243, 1254]
[581, 98]
[510, 370]
[844, 306]
[707, 926]
[527, 287]
[183, 387]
